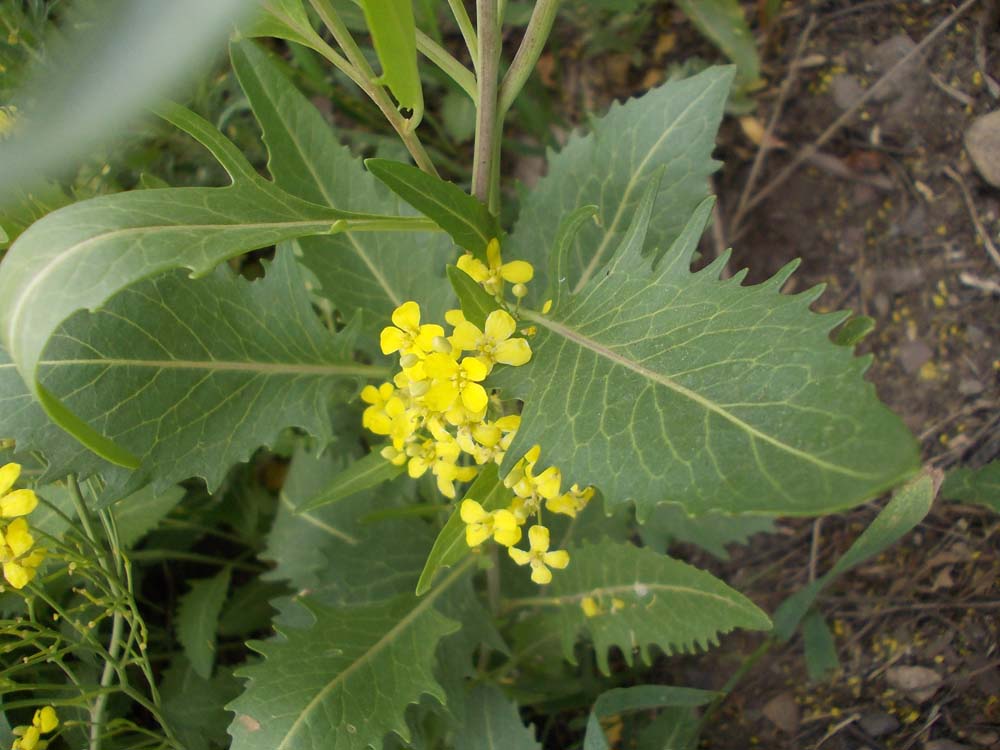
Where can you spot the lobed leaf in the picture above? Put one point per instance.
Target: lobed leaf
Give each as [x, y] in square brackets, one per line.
[723, 22]
[659, 384]
[671, 127]
[394, 35]
[980, 485]
[194, 376]
[79, 256]
[365, 275]
[343, 682]
[638, 698]
[661, 601]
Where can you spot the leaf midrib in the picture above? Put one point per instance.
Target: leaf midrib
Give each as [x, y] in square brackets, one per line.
[265, 368]
[382, 642]
[615, 358]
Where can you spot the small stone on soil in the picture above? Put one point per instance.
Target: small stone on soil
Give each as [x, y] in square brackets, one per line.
[913, 355]
[846, 90]
[783, 712]
[887, 54]
[878, 723]
[919, 682]
[982, 141]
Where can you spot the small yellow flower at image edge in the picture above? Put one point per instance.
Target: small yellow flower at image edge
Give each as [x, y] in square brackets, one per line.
[44, 721]
[440, 418]
[18, 554]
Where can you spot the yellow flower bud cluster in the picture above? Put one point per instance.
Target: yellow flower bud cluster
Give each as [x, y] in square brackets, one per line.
[439, 417]
[18, 554]
[44, 721]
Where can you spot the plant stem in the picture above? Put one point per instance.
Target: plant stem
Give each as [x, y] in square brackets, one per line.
[468, 32]
[366, 81]
[97, 711]
[535, 36]
[487, 133]
[446, 62]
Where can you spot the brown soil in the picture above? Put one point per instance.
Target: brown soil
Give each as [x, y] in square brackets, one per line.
[878, 219]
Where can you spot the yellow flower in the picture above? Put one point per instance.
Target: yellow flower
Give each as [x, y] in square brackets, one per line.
[493, 438]
[571, 502]
[8, 118]
[408, 335]
[439, 454]
[529, 488]
[539, 556]
[455, 381]
[494, 343]
[19, 567]
[394, 456]
[18, 502]
[481, 525]
[590, 606]
[493, 276]
[44, 721]
[448, 473]
[377, 417]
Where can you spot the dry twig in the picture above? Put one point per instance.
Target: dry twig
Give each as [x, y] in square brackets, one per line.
[980, 229]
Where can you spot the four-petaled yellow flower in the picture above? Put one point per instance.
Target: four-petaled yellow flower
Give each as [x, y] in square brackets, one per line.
[482, 524]
[529, 488]
[19, 562]
[572, 502]
[44, 721]
[539, 556]
[491, 439]
[494, 343]
[18, 502]
[453, 381]
[493, 276]
[407, 335]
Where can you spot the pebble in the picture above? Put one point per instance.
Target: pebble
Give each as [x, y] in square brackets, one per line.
[982, 141]
[878, 723]
[846, 90]
[913, 355]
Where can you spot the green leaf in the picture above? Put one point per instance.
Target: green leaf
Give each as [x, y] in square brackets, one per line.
[673, 729]
[331, 552]
[672, 126]
[491, 722]
[365, 275]
[819, 646]
[450, 547]
[79, 256]
[362, 474]
[665, 385]
[661, 601]
[198, 620]
[907, 508]
[466, 219]
[711, 531]
[344, 682]
[854, 331]
[141, 512]
[723, 22]
[394, 34]
[638, 698]
[195, 707]
[476, 302]
[284, 19]
[980, 486]
[194, 376]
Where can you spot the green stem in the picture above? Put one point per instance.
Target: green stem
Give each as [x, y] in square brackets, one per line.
[487, 133]
[444, 60]
[107, 675]
[367, 82]
[468, 32]
[535, 36]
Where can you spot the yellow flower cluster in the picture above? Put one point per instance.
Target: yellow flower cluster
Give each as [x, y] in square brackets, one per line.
[30, 737]
[20, 561]
[439, 416]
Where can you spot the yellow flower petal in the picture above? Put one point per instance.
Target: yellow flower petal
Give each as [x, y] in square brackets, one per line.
[517, 272]
[391, 340]
[473, 267]
[476, 534]
[493, 253]
[417, 467]
[507, 537]
[563, 504]
[8, 475]
[471, 511]
[454, 317]
[474, 397]
[440, 366]
[519, 555]
[466, 336]
[407, 316]
[17, 576]
[514, 352]
[558, 559]
[427, 334]
[46, 719]
[474, 369]
[540, 574]
[538, 538]
[441, 396]
[500, 325]
[18, 503]
[18, 537]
